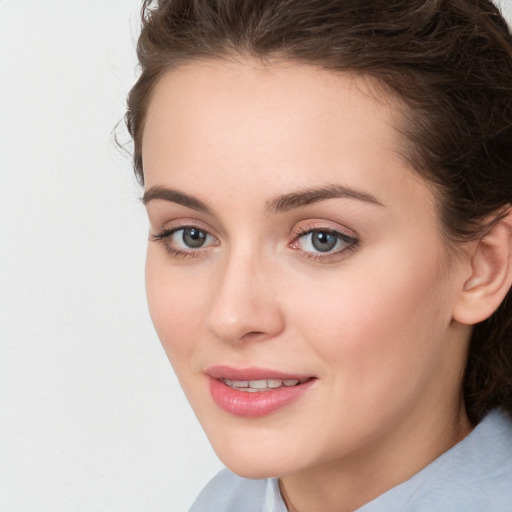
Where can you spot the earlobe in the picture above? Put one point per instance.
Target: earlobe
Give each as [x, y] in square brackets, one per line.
[491, 275]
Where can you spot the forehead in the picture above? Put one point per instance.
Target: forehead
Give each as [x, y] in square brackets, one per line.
[248, 97]
[280, 124]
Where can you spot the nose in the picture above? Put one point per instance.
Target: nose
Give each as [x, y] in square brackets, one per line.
[245, 305]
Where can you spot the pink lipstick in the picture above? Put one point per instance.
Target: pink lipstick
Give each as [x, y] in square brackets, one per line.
[254, 392]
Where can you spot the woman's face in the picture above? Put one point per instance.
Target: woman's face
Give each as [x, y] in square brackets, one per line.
[294, 252]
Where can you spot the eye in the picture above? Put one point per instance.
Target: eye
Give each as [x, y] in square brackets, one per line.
[191, 238]
[185, 241]
[324, 242]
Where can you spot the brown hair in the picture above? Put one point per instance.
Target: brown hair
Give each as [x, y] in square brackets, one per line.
[448, 61]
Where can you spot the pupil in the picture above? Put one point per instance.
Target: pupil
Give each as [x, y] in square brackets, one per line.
[323, 241]
[193, 237]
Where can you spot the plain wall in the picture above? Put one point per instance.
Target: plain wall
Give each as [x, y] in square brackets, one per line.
[91, 416]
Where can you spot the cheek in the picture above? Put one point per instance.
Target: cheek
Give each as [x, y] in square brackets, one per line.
[175, 306]
[377, 342]
[376, 318]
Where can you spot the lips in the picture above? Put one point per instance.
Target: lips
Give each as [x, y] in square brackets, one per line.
[255, 392]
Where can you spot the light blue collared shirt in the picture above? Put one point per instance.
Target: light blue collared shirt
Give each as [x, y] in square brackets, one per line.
[474, 476]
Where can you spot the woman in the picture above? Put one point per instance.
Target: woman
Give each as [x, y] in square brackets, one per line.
[329, 189]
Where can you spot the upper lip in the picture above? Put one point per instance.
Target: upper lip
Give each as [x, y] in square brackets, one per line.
[254, 373]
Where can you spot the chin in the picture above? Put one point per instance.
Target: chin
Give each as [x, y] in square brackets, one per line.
[256, 460]
[255, 468]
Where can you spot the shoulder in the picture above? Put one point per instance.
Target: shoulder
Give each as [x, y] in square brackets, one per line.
[227, 492]
[474, 476]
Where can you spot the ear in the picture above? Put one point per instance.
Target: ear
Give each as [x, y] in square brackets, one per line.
[490, 276]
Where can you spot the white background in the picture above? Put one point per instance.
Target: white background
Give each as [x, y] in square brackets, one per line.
[91, 416]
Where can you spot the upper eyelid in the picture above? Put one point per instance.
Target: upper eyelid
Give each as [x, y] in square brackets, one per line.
[322, 229]
[337, 232]
[167, 232]
[184, 223]
[308, 226]
[300, 229]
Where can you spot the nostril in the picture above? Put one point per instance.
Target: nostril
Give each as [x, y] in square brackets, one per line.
[252, 335]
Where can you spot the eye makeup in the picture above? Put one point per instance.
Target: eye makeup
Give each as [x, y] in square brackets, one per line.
[319, 242]
[185, 241]
[312, 240]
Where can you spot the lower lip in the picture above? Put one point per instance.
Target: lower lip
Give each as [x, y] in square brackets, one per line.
[253, 405]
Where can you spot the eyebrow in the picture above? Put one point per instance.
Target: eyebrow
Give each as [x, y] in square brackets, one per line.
[159, 193]
[302, 198]
[280, 204]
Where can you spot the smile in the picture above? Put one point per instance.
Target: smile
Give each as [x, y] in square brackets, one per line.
[255, 392]
[253, 386]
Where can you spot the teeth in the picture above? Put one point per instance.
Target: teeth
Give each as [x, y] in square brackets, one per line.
[260, 385]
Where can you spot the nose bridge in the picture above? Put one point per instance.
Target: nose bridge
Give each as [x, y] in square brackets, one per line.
[244, 305]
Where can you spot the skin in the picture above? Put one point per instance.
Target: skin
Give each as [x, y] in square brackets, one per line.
[372, 321]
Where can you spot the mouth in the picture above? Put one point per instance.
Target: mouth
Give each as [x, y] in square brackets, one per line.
[262, 385]
[255, 392]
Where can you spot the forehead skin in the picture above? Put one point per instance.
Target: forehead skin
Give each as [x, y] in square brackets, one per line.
[254, 117]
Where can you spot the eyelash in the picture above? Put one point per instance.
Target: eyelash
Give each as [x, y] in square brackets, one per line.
[351, 243]
[164, 235]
